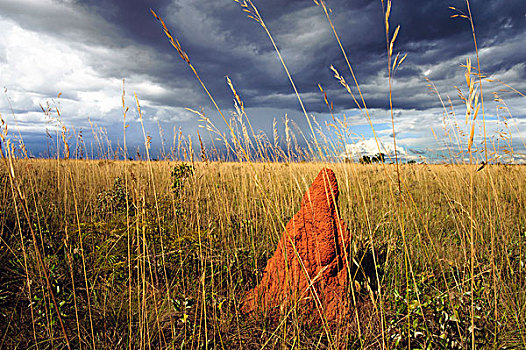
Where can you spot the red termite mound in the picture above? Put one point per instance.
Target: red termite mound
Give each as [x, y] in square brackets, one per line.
[309, 266]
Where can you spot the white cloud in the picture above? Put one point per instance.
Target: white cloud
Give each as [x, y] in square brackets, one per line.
[35, 67]
[370, 147]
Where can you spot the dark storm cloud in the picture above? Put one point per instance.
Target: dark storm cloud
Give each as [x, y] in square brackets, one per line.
[221, 40]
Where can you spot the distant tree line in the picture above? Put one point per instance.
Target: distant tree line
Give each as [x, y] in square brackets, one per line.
[377, 158]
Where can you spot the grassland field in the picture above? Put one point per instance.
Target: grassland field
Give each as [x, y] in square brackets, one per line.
[148, 255]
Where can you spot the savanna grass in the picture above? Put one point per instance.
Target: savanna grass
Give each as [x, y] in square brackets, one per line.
[218, 232]
[143, 254]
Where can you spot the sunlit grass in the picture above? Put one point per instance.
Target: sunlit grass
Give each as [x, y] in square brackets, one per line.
[145, 254]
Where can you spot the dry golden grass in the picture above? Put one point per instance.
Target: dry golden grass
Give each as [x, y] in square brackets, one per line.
[171, 271]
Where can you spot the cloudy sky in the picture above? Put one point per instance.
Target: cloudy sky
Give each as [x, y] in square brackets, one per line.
[83, 49]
